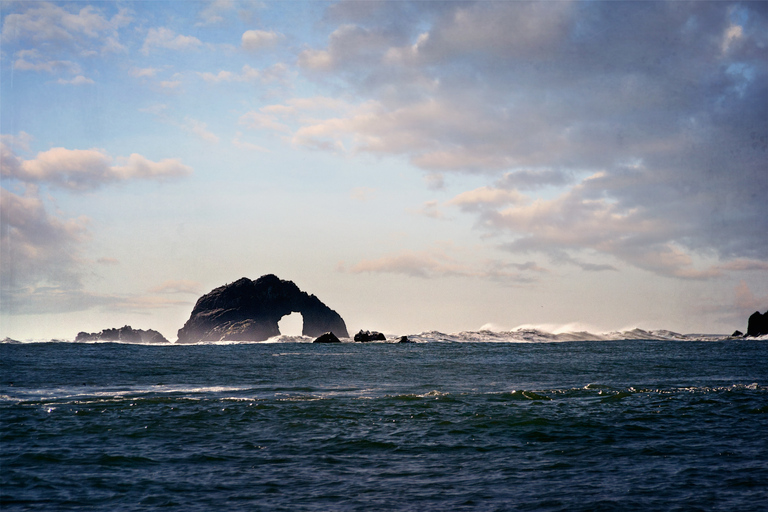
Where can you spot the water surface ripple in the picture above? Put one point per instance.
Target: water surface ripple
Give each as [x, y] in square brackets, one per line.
[600, 425]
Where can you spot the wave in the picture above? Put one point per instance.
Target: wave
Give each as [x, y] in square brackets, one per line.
[529, 335]
[521, 335]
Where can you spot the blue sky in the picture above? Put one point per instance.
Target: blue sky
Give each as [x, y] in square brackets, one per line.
[416, 165]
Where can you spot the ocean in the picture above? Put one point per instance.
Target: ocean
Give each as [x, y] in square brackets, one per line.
[471, 421]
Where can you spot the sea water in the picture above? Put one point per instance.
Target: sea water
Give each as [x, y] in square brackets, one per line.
[448, 424]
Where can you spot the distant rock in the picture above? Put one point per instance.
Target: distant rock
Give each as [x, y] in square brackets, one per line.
[737, 334]
[249, 310]
[365, 336]
[124, 334]
[328, 337]
[404, 339]
[758, 324]
[10, 340]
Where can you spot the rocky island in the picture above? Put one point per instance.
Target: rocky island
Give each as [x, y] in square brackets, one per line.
[757, 324]
[249, 310]
[124, 334]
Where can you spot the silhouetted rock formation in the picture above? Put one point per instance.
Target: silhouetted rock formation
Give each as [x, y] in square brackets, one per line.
[758, 324]
[404, 339]
[249, 310]
[125, 334]
[365, 336]
[328, 337]
[737, 334]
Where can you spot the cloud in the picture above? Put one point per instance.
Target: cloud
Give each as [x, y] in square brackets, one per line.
[435, 181]
[256, 40]
[530, 179]
[432, 210]
[170, 84]
[86, 169]
[21, 142]
[183, 286]
[213, 13]
[661, 105]
[142, 303]
[78, 80]
[46, 32]
[40, 250]
[241, 144]
[484, 197]
[437, 263]
[33, 60]
[247, 74]
[200, 129]
[45, 22]
[43, 264]
[144, 72]
[262, 121]
[167, 39]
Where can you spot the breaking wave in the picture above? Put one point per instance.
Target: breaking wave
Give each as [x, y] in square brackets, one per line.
[521, 335]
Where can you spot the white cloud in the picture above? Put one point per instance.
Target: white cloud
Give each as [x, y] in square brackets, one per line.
[166, 38]
[78, 80]
[84, 169]
[170, 84]
[214, 12]
[255, 40]
[200, 129]
[246, 74]
[56, 28]
[20, 141]
[33, 60]
[144, 72]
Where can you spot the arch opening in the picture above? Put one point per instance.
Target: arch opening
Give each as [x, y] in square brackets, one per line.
[291, 325]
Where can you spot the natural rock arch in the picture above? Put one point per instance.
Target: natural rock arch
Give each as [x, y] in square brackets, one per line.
[249, 310]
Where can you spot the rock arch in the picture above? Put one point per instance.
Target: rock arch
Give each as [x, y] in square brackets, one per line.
[249, 310]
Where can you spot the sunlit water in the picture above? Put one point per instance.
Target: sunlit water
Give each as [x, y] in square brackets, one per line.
[576, 425]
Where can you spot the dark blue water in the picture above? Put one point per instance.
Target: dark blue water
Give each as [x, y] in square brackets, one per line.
[619, 425]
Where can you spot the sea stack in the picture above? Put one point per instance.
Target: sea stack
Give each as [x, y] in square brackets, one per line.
[758, 324]
[249, 310]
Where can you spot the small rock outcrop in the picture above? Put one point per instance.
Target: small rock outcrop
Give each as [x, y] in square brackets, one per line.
[737, 334]
[404, 339]
[124, 334]
[365, 336]
[758, 324]
[327, 337]
[249, 310]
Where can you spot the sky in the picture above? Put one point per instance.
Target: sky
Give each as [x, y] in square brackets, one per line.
[418, 166]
